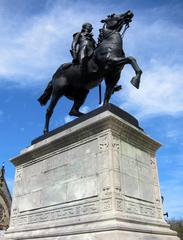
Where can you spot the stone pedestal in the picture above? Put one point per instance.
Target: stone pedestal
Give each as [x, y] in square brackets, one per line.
[94, 179]
[2, 235]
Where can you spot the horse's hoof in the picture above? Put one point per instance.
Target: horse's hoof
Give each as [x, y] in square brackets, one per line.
[105, 103]
[45, 131]
[135, 81]
[75, 113]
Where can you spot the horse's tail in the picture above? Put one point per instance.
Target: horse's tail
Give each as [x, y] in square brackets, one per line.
[43, 99]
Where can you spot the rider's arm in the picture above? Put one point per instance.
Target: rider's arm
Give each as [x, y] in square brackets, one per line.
[74, 45]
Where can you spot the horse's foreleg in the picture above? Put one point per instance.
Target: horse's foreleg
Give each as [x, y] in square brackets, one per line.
[49, 112]
[110, 82]
[135, 80]
[108, 93]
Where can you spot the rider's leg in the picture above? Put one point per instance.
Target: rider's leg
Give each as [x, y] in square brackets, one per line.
[84, 68]
[78, 102]
[83, 61]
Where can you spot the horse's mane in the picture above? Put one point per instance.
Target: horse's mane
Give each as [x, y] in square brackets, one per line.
[104, 33]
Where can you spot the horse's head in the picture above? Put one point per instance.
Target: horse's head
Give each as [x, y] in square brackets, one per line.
[116, 22]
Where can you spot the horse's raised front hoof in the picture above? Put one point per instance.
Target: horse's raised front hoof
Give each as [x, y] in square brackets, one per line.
[75, 113]
[135, 81]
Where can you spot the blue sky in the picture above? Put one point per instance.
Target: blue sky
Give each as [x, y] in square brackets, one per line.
[36, 38]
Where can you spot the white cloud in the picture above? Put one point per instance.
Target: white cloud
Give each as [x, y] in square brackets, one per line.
[85, 109]
[68, 118]
[174, 134]
[38, 45]
[160, 91]
[158, 48]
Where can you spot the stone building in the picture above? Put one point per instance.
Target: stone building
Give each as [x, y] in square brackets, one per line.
[5, 201]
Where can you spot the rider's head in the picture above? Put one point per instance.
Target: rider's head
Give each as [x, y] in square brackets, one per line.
[87, 27]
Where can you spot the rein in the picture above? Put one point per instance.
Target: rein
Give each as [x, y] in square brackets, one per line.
[116, 30]
[126, 27]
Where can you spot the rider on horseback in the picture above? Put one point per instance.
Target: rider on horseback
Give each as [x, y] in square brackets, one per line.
[82, 48]
[108, 57]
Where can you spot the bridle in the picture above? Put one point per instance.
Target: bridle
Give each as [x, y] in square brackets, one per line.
[117, 30]
[126, 27]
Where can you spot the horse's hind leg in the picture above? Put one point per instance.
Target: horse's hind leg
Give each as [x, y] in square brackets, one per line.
[78, 102]
[54, 99]
[43, 99]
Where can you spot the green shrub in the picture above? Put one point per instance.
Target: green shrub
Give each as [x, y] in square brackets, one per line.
[177, 225]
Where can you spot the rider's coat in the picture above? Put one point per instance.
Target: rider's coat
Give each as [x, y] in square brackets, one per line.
[83, 45]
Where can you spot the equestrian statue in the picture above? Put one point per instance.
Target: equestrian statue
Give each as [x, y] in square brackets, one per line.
[92, 63]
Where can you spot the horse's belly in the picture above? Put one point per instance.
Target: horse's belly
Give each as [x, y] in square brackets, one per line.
[92, 84]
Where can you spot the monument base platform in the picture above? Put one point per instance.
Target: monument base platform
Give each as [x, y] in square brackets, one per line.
[111, 229]
[93, 179]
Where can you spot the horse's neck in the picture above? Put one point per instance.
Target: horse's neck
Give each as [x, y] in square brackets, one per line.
[103, 34]
[110, 44]
[107, 35]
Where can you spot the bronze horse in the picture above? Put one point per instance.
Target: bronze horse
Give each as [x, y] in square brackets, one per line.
[106, 64]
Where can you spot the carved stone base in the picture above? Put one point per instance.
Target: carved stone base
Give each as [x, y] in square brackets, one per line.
[2, 235]
[94, 180]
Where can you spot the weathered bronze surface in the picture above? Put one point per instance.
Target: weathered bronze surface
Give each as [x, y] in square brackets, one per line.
[91, 64]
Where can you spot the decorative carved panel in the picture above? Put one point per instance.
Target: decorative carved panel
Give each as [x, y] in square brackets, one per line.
[55, 214]
[103, 143]
[2, 213]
